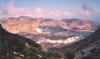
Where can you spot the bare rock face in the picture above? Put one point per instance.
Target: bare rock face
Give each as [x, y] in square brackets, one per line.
[31, 25]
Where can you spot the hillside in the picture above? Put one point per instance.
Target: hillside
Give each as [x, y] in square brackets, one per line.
[87, 48]
[13, 46]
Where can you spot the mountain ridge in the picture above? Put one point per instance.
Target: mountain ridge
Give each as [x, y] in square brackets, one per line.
[30, 25]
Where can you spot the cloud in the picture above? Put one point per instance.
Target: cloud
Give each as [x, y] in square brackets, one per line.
[59, 13]
[87, 11]
[39, 12]
[12, 10]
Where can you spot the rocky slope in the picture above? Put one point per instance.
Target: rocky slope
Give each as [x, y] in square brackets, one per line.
[88, 48]
[13, 46]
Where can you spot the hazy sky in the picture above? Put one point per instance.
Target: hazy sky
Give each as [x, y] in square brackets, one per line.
[85, 9]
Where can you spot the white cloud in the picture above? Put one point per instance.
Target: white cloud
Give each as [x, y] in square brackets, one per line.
[12, 10]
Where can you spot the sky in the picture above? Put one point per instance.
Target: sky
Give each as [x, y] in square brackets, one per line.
[83, 9]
